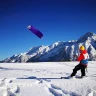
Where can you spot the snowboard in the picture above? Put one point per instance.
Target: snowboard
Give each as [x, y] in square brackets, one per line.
[65, 78]
[76, 77]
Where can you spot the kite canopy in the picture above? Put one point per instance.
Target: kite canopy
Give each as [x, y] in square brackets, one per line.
[35, 31]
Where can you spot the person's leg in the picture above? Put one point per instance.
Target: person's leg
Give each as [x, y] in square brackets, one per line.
[83, 71]
[75, 70]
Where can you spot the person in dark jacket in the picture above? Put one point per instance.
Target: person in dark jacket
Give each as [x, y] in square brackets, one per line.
[83, 58]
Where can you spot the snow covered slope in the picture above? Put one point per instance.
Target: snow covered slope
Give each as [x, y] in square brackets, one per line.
[43, 79]
[59, 51]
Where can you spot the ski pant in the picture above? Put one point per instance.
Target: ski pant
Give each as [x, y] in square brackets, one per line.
[79, 67]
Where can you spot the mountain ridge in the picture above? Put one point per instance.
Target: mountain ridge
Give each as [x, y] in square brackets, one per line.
[58, 51]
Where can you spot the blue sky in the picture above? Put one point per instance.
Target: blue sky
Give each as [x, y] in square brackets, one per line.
[58, 20]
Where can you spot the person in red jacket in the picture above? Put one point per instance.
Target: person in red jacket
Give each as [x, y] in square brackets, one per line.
[83, 58]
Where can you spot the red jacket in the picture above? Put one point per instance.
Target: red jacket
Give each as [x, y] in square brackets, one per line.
[83, 58]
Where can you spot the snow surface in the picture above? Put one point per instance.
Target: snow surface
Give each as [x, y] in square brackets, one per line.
[43, 79]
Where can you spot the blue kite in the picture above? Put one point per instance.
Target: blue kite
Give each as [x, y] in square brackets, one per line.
[35, 31]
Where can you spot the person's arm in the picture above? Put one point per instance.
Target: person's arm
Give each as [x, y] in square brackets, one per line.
[81, 57]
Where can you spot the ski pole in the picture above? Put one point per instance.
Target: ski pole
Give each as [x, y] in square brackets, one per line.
[86, 70]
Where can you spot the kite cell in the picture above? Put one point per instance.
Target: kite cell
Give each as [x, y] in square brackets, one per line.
[35, 31]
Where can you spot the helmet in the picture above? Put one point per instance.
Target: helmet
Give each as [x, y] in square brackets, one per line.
[82, 48]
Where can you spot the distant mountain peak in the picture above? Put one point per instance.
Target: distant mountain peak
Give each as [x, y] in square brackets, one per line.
[88, 34]
[85, 37]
